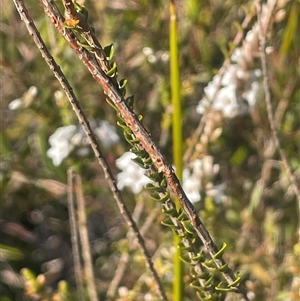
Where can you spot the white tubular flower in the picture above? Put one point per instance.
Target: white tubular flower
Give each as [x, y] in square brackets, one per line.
[60, 143]
[132, 175]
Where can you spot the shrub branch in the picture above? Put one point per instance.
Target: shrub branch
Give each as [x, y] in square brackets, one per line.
[92, 58]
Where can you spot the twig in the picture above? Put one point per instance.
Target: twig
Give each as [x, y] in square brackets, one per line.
[120, 271]
[263, 29]
[57, 19]
[74, 236]
[84, 238]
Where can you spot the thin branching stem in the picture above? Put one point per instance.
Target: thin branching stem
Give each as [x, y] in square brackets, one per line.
[58, 20]
[84, 239]
[74, 236]
[264, 26]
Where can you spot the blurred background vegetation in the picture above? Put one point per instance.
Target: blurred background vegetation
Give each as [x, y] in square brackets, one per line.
[259, 218]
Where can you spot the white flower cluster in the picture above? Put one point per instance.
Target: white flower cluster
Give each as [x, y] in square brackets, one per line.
[235, 91]
[62, 142]
[67, 138]
[198, 178]
[132, 175]
[194, 180]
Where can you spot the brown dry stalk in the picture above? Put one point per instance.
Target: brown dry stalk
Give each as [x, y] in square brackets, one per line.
[84, 239]
[74, 236]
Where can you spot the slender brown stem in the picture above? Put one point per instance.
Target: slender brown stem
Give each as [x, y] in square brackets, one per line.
[264, 26]
[84, 238]
[74, 236]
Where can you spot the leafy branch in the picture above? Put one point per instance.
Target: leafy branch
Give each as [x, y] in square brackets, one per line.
[98, 62]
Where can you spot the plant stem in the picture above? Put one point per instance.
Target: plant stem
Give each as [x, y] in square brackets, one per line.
[177, 141]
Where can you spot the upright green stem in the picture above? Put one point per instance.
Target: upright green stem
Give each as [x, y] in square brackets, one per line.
[177, 141]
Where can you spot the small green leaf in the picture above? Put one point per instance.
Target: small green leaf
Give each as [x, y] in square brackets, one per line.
[113, 71]
[220, 253]
[208, 266]
[128, 138]
[202, 296]
[181, 215]
[154, 176]
[139, 162]
[129, 100]
[111, 104]
[196, 283]
[122, 92]
[223, 268]
[199, 257]
[168, 222]
[169, 211]
[236, 282]
[63, 287]
[148, 160]
[185, 258]
[27, 274]
[124, 127]
[139, 152]
[188, 226]
[165, 198]
[123, 83]
[150, 186]
[208, 282]
[163, 183]
[155, 195]
[223, 287]
[109, 51]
